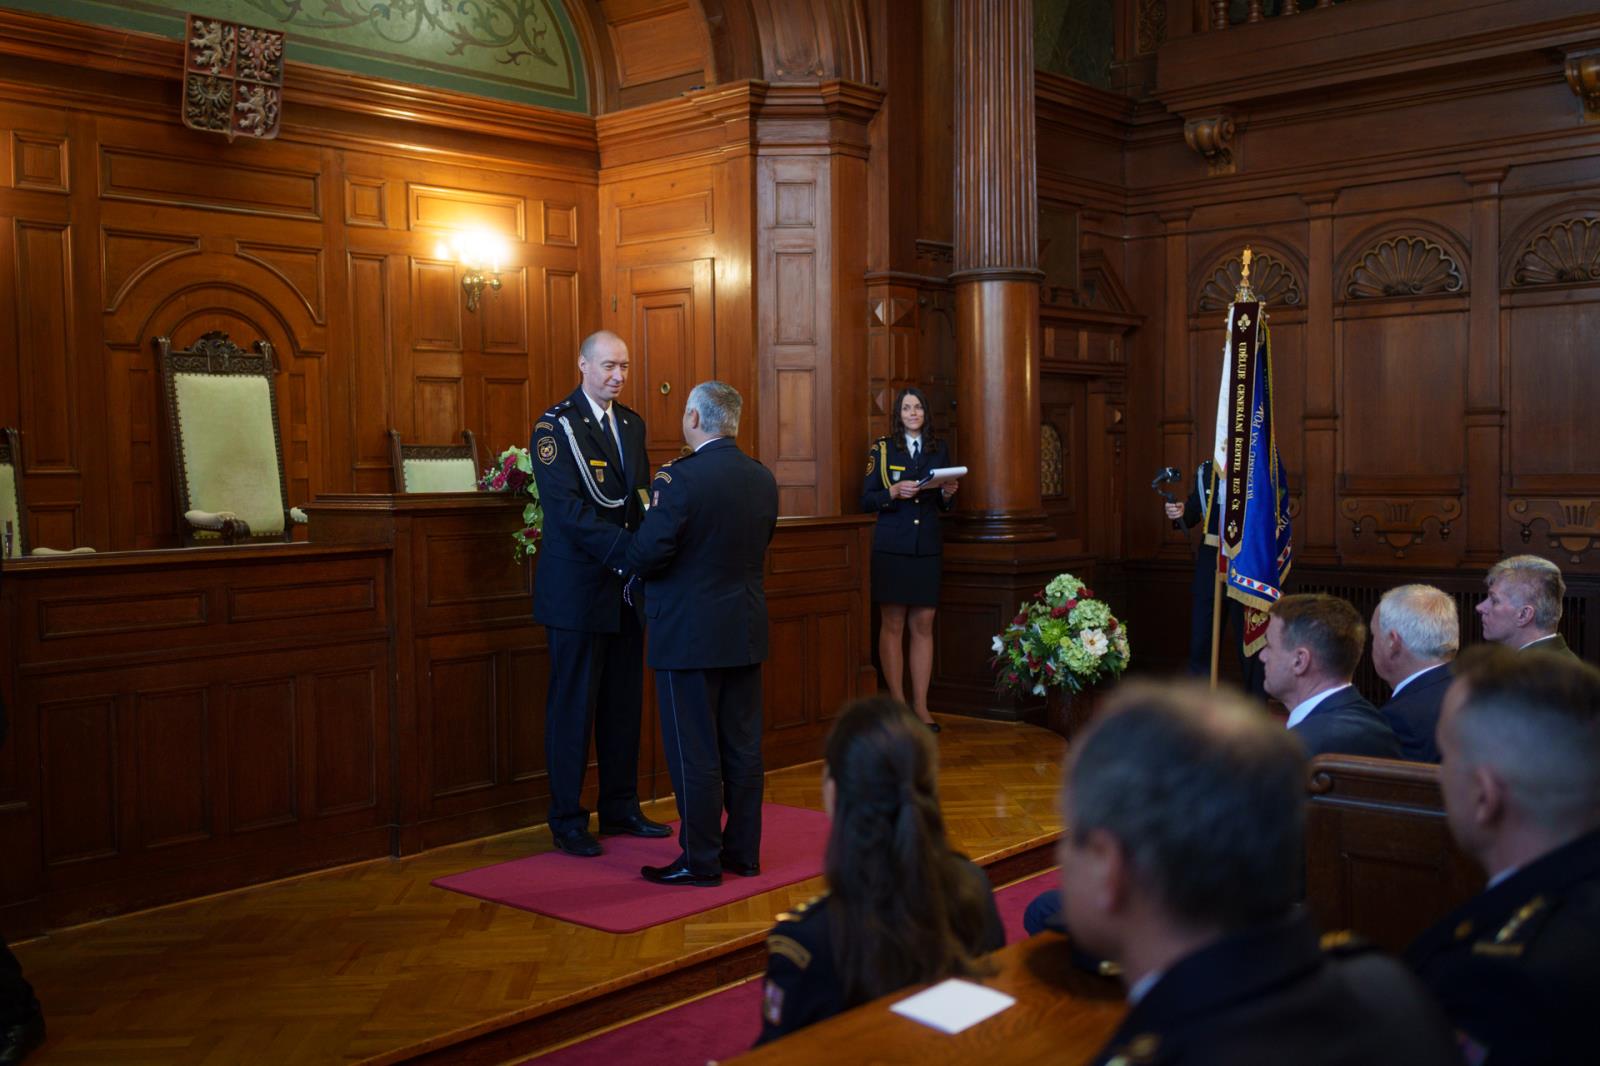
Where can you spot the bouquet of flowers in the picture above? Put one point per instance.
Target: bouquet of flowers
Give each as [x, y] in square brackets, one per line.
[513, 473]
[1063, 637]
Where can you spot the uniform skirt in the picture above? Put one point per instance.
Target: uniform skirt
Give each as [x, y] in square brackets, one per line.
[912, 580]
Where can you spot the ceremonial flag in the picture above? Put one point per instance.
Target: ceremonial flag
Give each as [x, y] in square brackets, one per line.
[1255, 552]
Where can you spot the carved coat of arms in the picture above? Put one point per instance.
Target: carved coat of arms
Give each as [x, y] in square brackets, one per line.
[232, 79]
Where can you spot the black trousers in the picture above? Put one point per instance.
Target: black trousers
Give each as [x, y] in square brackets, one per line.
[711, 735]
[16, 995]
[596, 683]
[1203, 593]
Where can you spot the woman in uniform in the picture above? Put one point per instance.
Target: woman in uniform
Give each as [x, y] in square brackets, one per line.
[901, 907]
[906, 545]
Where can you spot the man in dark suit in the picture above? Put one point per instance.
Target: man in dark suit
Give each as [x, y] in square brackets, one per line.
[591, 468]
[1220, 964]
[1523, 606]
[1416, 631]
[1516, 968]
[1203, 588]
[702, 550]
[1313, 645]
[21, 1020]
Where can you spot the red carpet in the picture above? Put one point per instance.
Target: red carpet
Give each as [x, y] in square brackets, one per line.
[727, 1023]
[608, 893]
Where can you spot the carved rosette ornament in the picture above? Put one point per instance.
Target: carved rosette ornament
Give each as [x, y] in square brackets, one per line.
[1272, 280]
[1571, 525]
[1404, 266]
[1564, 254]
[1212, 138]
[1401, 522]
[1583, 76]
[233, 79]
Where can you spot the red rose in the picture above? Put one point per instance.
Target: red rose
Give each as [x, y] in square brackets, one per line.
[1070, 604]
[1060, 612]
[1086, 592]
[1022, 616]
[1112, 626]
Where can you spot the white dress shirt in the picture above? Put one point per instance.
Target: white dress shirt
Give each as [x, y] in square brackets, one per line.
[600, 412]
[1303, 709]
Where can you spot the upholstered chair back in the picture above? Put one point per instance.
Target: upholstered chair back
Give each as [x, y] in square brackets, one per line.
[435, 467]
[10, 496]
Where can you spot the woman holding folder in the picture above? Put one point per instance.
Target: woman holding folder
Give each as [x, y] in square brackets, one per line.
[906, 545]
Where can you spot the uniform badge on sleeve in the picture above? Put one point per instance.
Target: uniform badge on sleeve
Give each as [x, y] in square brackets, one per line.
[872, 461]
[547, 450]
[772, 1003]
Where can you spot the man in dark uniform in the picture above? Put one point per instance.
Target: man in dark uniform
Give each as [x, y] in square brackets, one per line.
[1518, 967]
[1523, 605]
[591, 468]
[702, 550]
[1201, 507]
[1221, 964]
[1416, 632]
[21, 1021]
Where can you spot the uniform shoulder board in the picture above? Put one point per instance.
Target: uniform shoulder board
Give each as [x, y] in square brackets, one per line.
[800, 912]
[1512, 938]
[556, 409]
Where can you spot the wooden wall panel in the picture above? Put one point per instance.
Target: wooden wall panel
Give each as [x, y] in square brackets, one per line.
[175, 773]
[263, 747]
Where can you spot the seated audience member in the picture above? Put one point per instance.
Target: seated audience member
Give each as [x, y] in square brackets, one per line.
[1415, 633]
[1517, 969]
[1523, 606]
[1182, 865]
[901, 907]
[1313, 645]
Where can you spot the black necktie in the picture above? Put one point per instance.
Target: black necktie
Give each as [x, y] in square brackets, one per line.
[613, 449]
[916, 448]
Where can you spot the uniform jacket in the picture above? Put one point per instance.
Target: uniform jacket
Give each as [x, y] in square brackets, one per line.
[1272, 995]
[1414, 714]
[1346, 724]
[702, 550]
[585, 541]
[905, 527]
[803, 984]
[1517, 968]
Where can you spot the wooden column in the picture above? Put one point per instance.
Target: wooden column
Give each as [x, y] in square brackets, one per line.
[1485, 421]
[997, 272]
[1316, 541]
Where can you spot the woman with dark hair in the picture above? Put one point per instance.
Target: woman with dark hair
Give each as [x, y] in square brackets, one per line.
[906, 545]
[901, 907]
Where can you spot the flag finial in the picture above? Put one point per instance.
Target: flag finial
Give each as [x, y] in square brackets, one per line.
[1245, 294]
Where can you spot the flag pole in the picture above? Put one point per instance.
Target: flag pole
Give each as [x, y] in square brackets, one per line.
[1219, 588]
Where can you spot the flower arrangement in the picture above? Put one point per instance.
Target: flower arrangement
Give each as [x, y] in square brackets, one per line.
[1062, 637]
[513, 473]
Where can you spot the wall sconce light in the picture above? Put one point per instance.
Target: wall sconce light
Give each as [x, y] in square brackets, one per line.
[480, 253]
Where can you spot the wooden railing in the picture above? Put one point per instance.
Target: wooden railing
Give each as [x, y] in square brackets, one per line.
[1225, 13]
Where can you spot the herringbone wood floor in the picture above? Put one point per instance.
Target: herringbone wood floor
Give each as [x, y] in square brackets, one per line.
[370, 961]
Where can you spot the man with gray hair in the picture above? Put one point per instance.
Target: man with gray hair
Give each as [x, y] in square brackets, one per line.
[1516, 968]
[1158, 877]
[1523, 606]
[1416, 631]
[702, 550]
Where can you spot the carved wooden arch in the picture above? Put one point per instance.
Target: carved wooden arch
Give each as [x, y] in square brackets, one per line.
[1277, 274]
[1557, 246]
[183, 277]
[1406, 258]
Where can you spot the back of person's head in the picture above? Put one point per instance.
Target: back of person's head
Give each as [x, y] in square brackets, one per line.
[901, 908]
[719, 406]
[1205, 796]
[1327, 626]
[1532, 720]
[1530, 581]
[1424, 618]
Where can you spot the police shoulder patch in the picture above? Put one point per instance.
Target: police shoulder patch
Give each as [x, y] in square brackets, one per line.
[547, 450]
[789, 948]
[541, 424]
[662, 475]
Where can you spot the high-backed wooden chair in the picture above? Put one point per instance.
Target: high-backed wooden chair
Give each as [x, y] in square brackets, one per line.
[1379, 857]
[227, 454]
[14, 535]
[434, 467]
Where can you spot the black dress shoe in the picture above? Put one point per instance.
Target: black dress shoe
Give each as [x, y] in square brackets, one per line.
[743, 869]
[636, 826]
[577, 842]
[679, 874]
[20, 1038]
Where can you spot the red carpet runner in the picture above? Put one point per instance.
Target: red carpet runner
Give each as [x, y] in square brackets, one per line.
[608, 893]
[726, 1023]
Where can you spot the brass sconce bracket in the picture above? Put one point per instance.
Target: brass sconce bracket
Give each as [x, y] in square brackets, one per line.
[473, 283]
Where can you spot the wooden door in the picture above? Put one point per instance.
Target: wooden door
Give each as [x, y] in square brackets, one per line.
[664, 314]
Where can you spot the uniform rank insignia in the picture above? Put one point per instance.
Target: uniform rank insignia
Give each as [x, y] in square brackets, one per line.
[537, 426]
[547, 450]
[597, 462]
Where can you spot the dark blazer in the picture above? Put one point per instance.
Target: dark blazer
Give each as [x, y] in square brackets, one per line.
[1346, 724]
[584, 543]
[1414, 713]
[1555, 643]
[1516, 968]
[905, 527]
[702, 550]
[1272, 994]
[803, 984]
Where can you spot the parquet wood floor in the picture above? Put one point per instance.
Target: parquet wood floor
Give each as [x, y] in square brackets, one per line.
[370, 962]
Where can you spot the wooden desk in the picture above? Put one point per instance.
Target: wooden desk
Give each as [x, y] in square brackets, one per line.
[1062, 1017]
